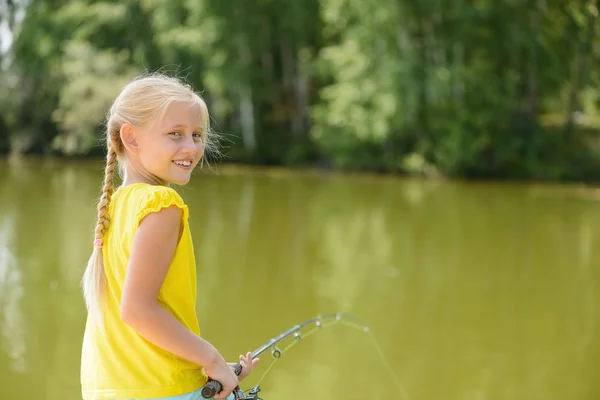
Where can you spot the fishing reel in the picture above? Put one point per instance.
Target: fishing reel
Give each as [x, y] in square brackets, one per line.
[252, 394]
[213, 387]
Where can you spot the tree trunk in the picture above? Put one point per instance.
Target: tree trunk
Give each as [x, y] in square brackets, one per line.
[247, 116]
[301, 101]
[579, 67]
[247, 123]
[288, 81]
[458, 85]
[421, 75]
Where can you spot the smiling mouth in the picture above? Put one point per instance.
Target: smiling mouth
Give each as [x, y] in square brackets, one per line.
[183, 164]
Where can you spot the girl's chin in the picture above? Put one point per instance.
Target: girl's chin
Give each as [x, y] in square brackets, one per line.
[179, 180]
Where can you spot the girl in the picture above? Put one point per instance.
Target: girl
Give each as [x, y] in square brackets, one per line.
[142, 338]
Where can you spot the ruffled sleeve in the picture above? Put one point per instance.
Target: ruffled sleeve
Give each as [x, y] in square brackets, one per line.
[160, 197]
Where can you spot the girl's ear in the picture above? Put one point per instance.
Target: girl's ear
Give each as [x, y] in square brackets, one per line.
[128, 137]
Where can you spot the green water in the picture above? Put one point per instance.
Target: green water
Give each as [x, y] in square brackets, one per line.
[474, 291]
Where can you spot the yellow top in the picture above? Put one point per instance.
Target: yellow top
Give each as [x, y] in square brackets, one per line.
[120, 363]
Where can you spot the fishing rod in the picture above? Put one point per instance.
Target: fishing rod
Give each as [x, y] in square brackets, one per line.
[213, 387]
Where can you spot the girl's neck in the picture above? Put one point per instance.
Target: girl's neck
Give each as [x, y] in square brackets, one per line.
[132, 176]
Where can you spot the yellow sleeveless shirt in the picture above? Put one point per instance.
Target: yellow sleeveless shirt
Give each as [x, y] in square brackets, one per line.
[120, 363]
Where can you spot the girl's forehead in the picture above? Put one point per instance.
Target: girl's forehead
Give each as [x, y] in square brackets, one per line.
[180, 113]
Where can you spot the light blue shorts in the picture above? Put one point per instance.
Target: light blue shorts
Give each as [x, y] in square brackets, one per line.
[195, 395]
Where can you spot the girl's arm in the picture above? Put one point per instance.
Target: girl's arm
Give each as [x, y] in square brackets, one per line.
[151, 255]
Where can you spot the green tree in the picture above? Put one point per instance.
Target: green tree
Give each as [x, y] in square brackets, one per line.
[493, 89]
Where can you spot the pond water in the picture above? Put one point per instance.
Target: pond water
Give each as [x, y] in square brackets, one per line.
[472, 290]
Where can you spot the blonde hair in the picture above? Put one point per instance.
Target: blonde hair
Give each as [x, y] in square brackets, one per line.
[142, 101]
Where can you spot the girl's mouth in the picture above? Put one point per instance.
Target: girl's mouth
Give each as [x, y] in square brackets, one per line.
[183, 164]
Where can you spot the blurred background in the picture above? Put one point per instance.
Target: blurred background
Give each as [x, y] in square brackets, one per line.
[491, 89]
[429, 166]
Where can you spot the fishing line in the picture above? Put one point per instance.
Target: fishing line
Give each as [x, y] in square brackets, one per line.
[320, 323]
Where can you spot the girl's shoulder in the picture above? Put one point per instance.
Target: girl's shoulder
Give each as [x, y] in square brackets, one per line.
[143, 199]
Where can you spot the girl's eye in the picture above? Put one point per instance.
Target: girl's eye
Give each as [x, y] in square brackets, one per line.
[175, 133]
[197, 136]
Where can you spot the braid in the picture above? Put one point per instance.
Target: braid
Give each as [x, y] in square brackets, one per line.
[94, 278]
[107, 192]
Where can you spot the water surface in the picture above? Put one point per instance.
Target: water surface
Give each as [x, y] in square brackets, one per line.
[473, 290]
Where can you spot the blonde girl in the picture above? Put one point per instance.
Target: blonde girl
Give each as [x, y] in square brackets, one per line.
[142, 337]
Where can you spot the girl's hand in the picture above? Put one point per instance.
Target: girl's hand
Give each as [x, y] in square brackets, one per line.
[221, 372]
[247, 364]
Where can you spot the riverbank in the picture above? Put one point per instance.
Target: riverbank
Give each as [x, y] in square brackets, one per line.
[284, 172]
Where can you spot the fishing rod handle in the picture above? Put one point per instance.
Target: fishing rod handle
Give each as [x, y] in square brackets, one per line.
[213, 387]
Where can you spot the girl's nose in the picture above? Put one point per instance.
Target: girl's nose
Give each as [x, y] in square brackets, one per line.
[189, 147]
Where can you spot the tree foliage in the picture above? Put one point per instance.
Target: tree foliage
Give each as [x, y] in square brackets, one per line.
[495, 89]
